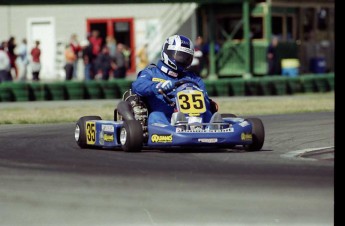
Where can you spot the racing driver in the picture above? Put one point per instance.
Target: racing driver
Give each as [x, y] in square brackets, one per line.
[176, 56]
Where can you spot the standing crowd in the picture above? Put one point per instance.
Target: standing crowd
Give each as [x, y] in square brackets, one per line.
[101, 60]
[14, 60]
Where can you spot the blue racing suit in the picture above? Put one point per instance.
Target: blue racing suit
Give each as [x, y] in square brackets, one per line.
[145, 87]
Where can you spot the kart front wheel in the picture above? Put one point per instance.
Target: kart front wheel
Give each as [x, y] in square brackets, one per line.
[258, 134]
[80, 130]
[131, 136]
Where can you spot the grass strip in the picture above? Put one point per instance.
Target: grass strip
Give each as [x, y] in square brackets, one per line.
[68, 111]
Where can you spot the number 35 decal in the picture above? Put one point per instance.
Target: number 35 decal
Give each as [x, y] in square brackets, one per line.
[90, 132]
[191, 102]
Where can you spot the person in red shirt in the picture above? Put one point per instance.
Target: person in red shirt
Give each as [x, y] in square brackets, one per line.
[96, 42]
[35, 61]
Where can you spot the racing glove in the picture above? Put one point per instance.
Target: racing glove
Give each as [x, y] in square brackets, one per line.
[213, 106]
[166, 86]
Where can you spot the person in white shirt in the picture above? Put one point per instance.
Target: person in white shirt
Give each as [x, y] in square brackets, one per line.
[4, 65]
[22, 60]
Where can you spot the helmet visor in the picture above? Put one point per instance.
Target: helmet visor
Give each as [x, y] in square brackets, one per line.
[182, 59]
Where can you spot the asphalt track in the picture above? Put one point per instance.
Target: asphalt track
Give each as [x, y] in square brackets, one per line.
[46, 179]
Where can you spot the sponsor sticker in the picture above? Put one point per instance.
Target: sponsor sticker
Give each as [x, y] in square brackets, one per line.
[108, 128]
[208, 140]
[158, 80]
[171, 73]
[244, 124]
[198, 130]
[164, 138]
[108, 137]
[246, 136]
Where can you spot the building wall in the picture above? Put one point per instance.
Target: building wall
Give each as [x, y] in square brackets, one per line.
[149, 20]
[72, 18]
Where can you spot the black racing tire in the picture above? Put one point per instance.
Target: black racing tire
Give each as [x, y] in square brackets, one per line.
[258, 134]
[80, 130]
[131, 136]
[116, 115]
[228, 115]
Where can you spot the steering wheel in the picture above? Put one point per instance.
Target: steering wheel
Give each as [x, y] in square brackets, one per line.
[177, 84]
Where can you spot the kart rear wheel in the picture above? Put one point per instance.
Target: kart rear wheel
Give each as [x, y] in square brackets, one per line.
[80, 130]
[131, 136]
[258, 134]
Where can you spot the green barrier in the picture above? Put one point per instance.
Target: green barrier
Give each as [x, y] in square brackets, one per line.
[278, 85]
[56, 91]
[222, 87]
[308, 83]
[15, 91]
[322, 83]
[230, 87]
[294, 85]
[252, 87]
[110, 89]
[93, 90]
[265, 86]
[20, 90]
[210, 87]
[237, 86]
[122, 84]
[75, 90]
[37, 91]
[330, 80]
[114, 89]
[6, 92]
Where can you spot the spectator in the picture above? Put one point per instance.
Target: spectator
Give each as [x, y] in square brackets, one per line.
[35, 61]
[206, 50]
[4, 64]
[111, 43]
[127, 53]
[120, 61]
[197, 63]
[11, 45]
[88, 60]
[143, 57]
[104, 63]
[22, 60]
[96, 42]
[70, 58]
[74, 44]
[272, 58]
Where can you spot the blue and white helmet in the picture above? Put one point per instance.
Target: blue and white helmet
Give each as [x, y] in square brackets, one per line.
[177, 52]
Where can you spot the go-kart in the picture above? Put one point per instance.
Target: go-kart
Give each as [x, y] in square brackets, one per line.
[131, 132]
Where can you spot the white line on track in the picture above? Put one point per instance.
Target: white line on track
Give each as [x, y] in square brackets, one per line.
[298, 153]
